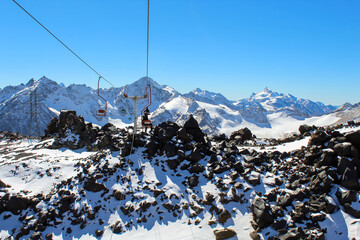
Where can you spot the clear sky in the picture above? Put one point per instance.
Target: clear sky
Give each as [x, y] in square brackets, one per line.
[308, 48]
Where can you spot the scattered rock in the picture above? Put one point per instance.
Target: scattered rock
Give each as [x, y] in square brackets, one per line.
[92, 186]
[225, 233]
[193, 181]
[293, 233]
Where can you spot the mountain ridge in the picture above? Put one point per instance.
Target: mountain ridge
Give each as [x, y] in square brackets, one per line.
[214, 112]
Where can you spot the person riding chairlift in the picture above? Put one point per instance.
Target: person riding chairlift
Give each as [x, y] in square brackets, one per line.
[146, 123]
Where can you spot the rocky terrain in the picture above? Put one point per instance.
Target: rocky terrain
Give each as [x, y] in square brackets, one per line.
[80, 180]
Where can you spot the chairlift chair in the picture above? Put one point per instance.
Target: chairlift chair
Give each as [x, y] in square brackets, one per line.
[101, 112]
[147, 123]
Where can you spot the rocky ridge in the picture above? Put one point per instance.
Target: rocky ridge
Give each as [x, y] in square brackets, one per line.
[303, 187]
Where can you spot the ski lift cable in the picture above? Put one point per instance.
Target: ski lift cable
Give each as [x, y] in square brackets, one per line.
[68, 48]
[147, 42]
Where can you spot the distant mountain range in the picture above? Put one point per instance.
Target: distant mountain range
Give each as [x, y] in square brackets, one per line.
[214, 112]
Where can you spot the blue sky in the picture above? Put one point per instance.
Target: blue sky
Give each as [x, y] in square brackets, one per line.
[310, 49]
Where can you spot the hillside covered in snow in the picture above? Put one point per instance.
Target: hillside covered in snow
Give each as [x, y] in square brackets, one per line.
[267, 113]
[80, 181]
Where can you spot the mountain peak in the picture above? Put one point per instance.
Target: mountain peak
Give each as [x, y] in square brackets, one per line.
[30, 82]
[268, 90]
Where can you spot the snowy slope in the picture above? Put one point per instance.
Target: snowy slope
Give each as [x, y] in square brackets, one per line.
[49, 177]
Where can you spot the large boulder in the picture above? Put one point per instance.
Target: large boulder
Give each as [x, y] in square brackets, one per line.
[192, 128]
[350, 179]
[92, 186]
[169, 149]
[166, 131]
[16, 204]
[261, 212]
[306, 128]
[354, 138]
[319, 137]
[241, 135]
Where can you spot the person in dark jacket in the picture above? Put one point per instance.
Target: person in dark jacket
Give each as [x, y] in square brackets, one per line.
[146, 123]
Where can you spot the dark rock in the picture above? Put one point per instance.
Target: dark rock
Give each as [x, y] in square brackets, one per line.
[253, 179]
[193, 181]
[36, 236]
[168, 205]
[172, 163]
[195, 155]
[254, 160]
[99, 233]
[92, 186]
[300, 212]
[105, 141]
[343, 164]
[192, 127]
[346, 196]
[239, 167]
[262, 212]
[119, 195]
[16, 204]
[328, 159]
[219, 169]
[224, 216]
[166, 131]
[293, 234]
[183, 135]
[109, 127]
[225, 233]
[284, 199]
[271, 196]
[318, 217]
[255, 235]
[52, 127]
[306, 128]
[354, 138]
[309, 158]
[152, 147]
[197, 168]
[319, 137]
[49, 236]
[317, 203]
[350, 210]
[350, 179]
[169, 149]
[279, 224]
[2, 184]
[241, 135]
[343, 149]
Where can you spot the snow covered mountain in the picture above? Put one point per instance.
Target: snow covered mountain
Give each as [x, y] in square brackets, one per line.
[215, 113]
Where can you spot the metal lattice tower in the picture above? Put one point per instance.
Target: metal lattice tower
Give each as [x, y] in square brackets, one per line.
[34, 128]
[135, 99]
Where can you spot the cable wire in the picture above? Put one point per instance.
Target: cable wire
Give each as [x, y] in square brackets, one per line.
[147, 45]
[62, 42]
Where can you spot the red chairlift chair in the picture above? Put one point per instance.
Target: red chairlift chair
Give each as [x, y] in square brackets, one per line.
[101, 112]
